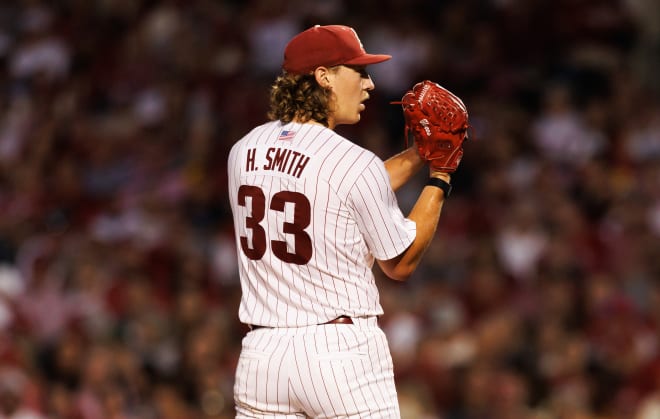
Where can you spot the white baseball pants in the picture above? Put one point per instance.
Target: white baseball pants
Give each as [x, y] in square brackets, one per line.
[324, 371]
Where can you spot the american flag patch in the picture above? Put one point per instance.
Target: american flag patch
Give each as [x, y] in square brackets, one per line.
[286, 135]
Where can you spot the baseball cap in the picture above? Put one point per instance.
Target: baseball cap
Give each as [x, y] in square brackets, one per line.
[327, 46]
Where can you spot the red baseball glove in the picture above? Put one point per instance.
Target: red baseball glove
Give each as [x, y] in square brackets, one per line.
[438, 121]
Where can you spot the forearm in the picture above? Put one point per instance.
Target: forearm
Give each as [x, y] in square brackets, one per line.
[403, 166]
[426, 215]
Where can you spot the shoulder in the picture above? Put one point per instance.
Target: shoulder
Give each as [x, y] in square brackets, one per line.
[341, 154]
[351, 164]
[352, 150]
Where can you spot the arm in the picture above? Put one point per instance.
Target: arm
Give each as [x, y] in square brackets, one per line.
[426, 214]
[438, 120]
[401, 167]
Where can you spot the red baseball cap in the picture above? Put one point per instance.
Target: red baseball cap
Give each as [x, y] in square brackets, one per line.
[326, 46]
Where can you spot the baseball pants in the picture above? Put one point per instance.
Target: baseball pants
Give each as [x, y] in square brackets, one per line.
[322, 371]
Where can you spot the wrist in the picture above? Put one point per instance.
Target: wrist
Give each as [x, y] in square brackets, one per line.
[441, 175]
[441, 183]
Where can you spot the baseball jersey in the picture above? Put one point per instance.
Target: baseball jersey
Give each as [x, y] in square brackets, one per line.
[312, 211]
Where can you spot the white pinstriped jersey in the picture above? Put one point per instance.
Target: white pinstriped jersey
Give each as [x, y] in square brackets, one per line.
[312, 211]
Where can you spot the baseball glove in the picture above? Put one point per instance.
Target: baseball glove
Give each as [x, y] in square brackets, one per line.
[438, 121]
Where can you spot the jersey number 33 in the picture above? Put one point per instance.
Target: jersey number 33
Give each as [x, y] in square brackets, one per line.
[302, 243]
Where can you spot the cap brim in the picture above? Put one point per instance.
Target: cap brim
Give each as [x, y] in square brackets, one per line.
[367, 59]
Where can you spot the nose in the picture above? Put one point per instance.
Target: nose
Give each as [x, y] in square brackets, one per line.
[368, 83]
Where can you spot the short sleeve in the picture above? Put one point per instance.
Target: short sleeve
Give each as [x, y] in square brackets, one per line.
[387, 232]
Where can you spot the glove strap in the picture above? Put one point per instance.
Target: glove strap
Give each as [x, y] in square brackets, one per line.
[439, 183]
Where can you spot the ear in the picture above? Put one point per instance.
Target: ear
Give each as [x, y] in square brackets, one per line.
[322, 76]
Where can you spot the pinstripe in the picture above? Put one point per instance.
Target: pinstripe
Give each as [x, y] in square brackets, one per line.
[318, 180]
[344, 178]
[367, 367]
[310, 379]
[279, 369]
[364, 211]
[300, 375]
[308, 272]
[335, 284]
[322, 261]
[339, 391]
[321, 372]
[357, 294]
[268, 372]
[361, 388]
[374, 217]
[372, 222]
[382, 353]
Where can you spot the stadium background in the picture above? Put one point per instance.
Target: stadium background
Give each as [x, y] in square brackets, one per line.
[118, 291]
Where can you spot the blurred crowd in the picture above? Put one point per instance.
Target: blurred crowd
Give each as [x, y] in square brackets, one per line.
[539, 299]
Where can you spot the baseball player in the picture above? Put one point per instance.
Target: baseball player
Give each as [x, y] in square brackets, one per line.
[312, 212]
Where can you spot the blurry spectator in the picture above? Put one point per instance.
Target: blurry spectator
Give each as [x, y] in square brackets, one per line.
[11, 286]
[645, 52]
[272, 23]
[521, 241]
[40, 52]
[411, 47]
[46, 309]
[642, 141]
[560, 131]
[14, 391]
[649, 406]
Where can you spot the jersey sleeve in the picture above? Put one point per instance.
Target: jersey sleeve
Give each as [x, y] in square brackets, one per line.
[387, 232]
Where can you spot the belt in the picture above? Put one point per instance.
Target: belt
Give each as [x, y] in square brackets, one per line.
[338, 320]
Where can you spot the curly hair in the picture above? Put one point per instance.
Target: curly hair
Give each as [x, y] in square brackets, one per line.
[299, 97]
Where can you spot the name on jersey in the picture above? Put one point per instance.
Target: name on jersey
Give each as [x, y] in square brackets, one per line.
[283, 160]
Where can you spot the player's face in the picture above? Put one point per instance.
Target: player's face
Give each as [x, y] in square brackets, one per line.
[351, 86]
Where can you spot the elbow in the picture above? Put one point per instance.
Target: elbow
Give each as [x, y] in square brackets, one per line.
[399, 273]
[398, 268]
[400, 278]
